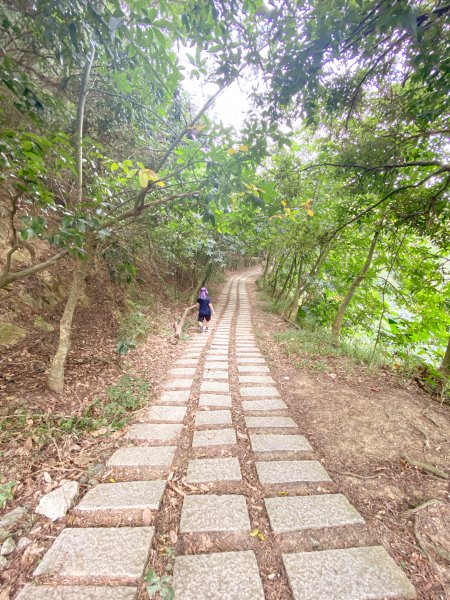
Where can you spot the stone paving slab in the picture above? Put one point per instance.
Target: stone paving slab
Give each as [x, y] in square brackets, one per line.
[221, 576]
[182, 371]
[179, 384]
[204, 470]
[213, 417]
[352, 574]
[154, 432]
[97, 552]
[214, 513]
[291, 471]
[259, 392]
[253, 369]
[167, 414]
[214, 437]
[181, 396]
[219, 365]
[269, 422]
[250, 360]
[186, 362]
[255, 379]
[296, 513]
[210, 374]
[77, 592]
[268, 442]
[215, 386]
[214, 400]
[263, 405]
[142, 456]
[122, 496]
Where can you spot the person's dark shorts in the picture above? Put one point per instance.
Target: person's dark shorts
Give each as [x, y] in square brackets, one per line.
[206, 318]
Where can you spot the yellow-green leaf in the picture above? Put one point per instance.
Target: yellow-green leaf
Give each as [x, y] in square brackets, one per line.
[254, 532]
[160, 184]
[143, 179]
[231, 151]
[310, 212]
[243, 148]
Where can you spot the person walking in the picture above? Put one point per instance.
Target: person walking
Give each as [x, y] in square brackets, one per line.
[205, 309]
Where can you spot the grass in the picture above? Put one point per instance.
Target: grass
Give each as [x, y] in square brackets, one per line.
[122, 399]
[6, 491]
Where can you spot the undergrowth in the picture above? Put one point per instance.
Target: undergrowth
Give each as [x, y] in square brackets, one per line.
[112, 413]
[133, 328]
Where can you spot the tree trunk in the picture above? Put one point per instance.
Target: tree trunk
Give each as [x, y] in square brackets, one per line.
[288, 279]
[337, 324]
[266, 266]
[277, 272]
[293, 309]
[56, 374]
[445, 365]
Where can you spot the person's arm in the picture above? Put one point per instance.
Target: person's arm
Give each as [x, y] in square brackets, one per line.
[212, 309]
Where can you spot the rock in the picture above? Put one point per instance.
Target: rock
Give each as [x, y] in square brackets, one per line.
[10, 519]
[3, 563]
[23, 543]
[11, 334]
[97, 470]
[92, 482]
[8, 546]
[83, 480]
[42, 324]
[56, 504]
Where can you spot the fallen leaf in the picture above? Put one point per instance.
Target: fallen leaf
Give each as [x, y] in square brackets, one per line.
[147, 516]
[47, 477]
[173, 536]
[112, 480]
[28, 444]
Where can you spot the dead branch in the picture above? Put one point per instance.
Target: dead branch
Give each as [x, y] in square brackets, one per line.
[425, 467]
[178, 326]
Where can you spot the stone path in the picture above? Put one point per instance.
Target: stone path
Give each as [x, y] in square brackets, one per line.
[252, 484]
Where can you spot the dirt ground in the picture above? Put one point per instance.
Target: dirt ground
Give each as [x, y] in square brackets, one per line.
[363, 425]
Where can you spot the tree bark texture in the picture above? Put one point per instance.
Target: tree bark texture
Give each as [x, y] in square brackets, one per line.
[445, 365]
[56, 374]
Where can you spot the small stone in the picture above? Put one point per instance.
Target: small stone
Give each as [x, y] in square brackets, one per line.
[83, 480]
[10, 519]
[204, 470]
[214, 437]
[259, 392]
[214, 513]
[56, 504]
[8, 546]
[353, 573]
[92, 482]
[296, 513]
[97, 553]
[23, 543]
[3, 562]
[221, 576]
[213, 417]
[77, 592]
[97, 470]
[279, 443]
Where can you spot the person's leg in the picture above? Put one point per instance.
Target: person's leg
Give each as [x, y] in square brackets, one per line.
[200, 322]
[208, 319]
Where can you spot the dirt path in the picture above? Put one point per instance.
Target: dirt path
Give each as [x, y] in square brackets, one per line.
[218, 485]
